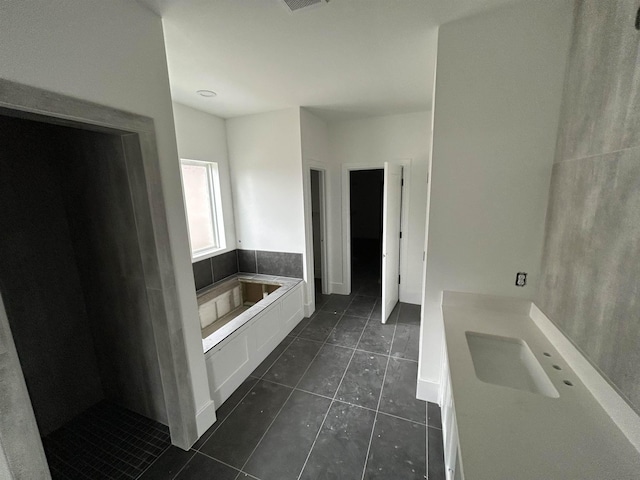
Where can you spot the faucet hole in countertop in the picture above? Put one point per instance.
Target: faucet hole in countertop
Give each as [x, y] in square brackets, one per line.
[546, 354]
[557, 367]
[567, 382]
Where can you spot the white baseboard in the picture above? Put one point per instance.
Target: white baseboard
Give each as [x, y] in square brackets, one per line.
[428, 391]
[338, 288]
[205, 417]
[627, 420]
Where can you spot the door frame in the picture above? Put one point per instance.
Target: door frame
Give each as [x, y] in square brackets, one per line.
[310, 164]
[347, 168]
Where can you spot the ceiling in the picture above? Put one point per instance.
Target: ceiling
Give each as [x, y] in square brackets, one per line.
[345, 59]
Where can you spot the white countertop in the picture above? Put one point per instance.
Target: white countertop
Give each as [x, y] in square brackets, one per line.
[509, 434]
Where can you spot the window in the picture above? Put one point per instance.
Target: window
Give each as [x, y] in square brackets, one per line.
[201, 185]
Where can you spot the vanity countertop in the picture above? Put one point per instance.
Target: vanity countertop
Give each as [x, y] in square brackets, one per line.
[510, 434]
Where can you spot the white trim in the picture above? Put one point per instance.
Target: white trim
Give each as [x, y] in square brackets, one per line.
[346, 217]
[308, 165]
[627, 420]
[206, 417]
[428, 391]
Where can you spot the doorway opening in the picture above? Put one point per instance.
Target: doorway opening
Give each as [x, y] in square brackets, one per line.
[366, 190]
[87, 301]
[72, 283]
[319, 233]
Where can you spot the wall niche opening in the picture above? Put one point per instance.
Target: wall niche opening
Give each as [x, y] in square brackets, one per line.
[72, 280]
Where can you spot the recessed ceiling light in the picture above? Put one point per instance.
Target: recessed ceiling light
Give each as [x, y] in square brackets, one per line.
[206, 93]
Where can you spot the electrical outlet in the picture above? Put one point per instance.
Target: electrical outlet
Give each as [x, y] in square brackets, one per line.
[521, 279]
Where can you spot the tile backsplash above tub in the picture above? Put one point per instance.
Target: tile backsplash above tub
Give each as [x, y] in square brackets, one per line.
[208, 271]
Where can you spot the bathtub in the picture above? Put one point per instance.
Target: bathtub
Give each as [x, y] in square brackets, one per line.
[242, 320]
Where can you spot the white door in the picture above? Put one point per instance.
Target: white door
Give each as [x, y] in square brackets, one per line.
[391, 209]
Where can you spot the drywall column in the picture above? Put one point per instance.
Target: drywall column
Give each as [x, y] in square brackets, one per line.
[589, 279]
[497, 102]
[265, 158]
[314, 136]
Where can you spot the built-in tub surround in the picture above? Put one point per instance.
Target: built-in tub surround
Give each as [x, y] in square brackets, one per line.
[230, 304]
[589, 275]
[239, 345]
[215, 269]
[223, 303]
[502, 428]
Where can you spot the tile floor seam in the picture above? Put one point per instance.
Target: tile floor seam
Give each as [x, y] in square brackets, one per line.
[384, 377]
[293, 389]
[154, 461]
[227, 465]
[184, 466]
[334, 395]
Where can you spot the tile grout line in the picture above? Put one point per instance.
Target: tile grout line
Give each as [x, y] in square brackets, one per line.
[295, 387]
[424, 424]
[154, 461]
[333, 400]
[384, 378]
[229, 465]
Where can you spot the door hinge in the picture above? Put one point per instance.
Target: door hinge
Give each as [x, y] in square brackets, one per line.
[398, 278]
[402, 182]
[400, 234]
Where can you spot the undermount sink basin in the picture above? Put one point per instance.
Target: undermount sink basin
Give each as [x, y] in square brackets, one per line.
[508, 362]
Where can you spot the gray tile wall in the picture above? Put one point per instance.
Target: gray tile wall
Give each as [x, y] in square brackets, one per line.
[104, 230]
[210, 270]
[591, 260]
[40, 282]
[282, 264]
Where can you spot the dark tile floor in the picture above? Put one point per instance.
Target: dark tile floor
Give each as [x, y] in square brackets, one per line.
[335, 400]
[105, 442]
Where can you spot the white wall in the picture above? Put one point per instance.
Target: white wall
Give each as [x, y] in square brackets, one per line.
[111, 53]
[497, 102]
[202, 136]
[372, 141]
[265, 156]
[314, 136]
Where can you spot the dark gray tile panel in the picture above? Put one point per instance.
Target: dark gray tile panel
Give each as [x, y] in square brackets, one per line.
[406, 342]
[224, 265]
[326, 371]
[363, 381]
[399, 391]
[361, 306]
[398, 450]
[337, 304]
[435, 454]
[320, 326]
[434, 419]
[341, 448]
[283, 450]
[201, 467]
[280, 263]
[272, 357]
[202, 273]
[168, 465]
[348, 331]
[292, 364]
[377, 337]
[247, 261]
[237, 437]
[409, 314]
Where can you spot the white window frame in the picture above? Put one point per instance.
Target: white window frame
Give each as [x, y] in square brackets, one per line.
[216, 208]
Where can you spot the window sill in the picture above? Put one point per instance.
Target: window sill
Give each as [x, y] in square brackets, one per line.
[209, 253]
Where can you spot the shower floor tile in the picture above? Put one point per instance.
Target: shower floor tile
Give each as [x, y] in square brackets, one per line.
[106, 442]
